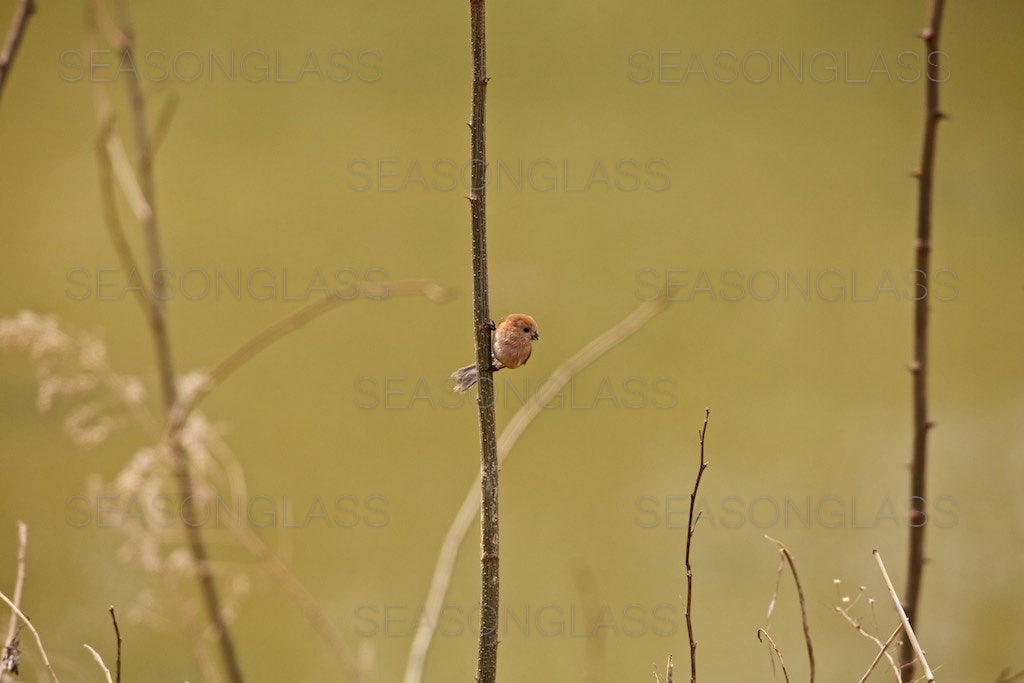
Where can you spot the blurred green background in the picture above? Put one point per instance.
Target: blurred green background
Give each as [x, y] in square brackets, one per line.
[638, 168]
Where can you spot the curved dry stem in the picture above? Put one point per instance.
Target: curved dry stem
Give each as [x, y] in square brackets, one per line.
[775, 649]
[800, 593]
[99, 660]
[39, 641]
[470, 507]
[288, 324]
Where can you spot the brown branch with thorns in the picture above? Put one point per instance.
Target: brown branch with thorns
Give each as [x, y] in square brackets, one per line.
[919, 367]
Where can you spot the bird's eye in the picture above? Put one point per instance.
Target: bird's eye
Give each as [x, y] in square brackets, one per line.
[526, 329]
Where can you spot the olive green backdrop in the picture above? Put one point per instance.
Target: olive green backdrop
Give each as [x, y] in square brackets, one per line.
[754, 159]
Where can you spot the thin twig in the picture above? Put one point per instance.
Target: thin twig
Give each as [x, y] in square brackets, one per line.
[15, 33]
[691, 526]
[130, 185]
[39, 641]
[775, 649]
[1006, 677]
[293, 321]
[147, 216]
[288, 324]
[117, 634]
[883, 649]
[108, 145]
[929, 676]
[803, 608]
[163, 121]
[19, 578]
[441, 579]
[919, 366]
[111, 219]
[487, 651]
[99, 660]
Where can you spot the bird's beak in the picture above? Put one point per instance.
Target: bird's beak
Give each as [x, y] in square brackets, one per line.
[535, 336]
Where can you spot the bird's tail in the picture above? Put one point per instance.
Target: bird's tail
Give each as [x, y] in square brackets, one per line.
[465, 378]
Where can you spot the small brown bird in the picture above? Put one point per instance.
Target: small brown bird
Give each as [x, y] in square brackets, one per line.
[513, 343]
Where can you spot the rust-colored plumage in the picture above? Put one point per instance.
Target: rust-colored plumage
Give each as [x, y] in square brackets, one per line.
[511, 348]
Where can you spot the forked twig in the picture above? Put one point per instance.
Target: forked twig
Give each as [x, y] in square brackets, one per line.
[775, 649]
[883, 649]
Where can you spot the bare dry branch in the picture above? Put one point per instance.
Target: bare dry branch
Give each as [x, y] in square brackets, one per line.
[39, 641]
[883, 649]
[691, 526]
[775, 649]
[117, 635]
[919, 367]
